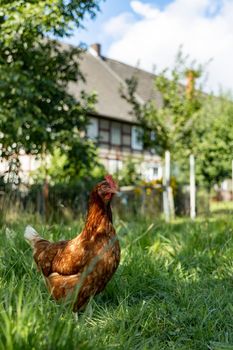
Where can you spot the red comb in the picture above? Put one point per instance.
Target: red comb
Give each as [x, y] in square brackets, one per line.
[110, 181]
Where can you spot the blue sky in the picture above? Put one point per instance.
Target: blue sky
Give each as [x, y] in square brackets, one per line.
[149, 33]
[108, 9]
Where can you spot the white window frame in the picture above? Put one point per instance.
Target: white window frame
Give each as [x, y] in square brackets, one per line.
[93, 129]
[148, 171]
[136, 138]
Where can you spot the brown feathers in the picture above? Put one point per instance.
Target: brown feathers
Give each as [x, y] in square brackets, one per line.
[81, 267]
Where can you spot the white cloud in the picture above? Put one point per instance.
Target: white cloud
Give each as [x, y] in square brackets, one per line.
[145, 10]
[203, 27]
[119, 25]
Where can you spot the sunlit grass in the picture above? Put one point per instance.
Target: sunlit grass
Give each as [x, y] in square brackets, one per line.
[221, 207]
[173, 290]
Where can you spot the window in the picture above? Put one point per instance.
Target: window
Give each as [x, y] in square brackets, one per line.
[126, 140]
[152, 172]
[104, 124]
[126, 128]
[104, 131]
[136, 142]
[126, 135]
[104, 136]
[92, 129]
[116, 134]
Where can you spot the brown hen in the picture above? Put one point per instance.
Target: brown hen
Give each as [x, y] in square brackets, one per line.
[81, 267]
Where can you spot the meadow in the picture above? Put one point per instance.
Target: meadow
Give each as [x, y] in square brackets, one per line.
[173, 290]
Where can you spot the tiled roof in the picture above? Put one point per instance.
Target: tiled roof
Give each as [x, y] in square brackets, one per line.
[146, 81]
[106, 77]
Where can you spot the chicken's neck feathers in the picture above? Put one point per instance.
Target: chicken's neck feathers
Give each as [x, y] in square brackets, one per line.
[97, 211]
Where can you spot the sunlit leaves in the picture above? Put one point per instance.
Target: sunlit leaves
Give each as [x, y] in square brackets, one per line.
[188, 121]
[37, 113]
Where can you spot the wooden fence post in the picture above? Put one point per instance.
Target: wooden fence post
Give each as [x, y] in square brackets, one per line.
[192, 187]
[232, 180]
[166, 183]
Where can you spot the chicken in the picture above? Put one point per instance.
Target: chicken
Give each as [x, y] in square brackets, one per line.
[81, 267]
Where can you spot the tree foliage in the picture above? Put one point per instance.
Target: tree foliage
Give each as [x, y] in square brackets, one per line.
[188, 122]
[213, 140]
[37, 112]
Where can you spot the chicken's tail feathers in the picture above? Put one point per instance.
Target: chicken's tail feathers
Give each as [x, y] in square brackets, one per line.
[31, 235]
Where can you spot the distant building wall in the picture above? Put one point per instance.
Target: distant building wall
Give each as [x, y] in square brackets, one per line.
[119, 142]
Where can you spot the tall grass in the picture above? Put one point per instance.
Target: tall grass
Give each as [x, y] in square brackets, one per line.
[173, 290]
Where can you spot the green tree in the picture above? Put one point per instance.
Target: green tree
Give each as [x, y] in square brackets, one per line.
[213, 141]
[188, 122]
[37, 112]
[129, 174]
[171, 124]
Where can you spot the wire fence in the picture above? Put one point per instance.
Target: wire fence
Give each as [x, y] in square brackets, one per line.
[69, 202]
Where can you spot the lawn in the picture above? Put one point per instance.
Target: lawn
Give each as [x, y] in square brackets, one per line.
[173, 290]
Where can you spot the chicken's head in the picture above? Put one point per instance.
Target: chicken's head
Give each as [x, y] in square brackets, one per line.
[107, 188]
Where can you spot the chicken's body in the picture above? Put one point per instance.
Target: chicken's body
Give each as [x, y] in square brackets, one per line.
[84, 264]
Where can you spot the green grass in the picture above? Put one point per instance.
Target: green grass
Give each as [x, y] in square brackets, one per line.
[173, 290]
[221, 208]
